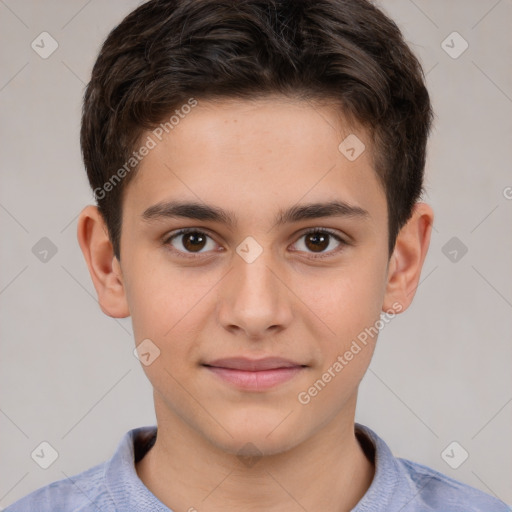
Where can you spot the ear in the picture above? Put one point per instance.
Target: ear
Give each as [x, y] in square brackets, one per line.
[406, 262]
[103, 266]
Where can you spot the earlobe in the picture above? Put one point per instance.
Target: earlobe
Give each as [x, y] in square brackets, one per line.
[407, 259]
[103, 266]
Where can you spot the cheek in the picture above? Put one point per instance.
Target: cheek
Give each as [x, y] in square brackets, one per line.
[163, 299]
[168, 310]
[343, 301]
[347, 308]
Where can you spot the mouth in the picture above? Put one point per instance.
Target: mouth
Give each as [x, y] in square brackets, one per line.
[254, 374]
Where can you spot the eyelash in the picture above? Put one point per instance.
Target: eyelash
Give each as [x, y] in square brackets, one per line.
[186, 231]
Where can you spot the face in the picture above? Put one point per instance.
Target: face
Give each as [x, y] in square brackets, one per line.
[248, 313]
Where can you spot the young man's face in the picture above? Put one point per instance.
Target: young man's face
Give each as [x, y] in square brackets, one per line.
[260, 287]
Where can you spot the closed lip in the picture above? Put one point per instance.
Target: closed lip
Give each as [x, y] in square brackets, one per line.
[253, 365]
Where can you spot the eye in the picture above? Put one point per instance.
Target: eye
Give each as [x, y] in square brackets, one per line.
[317, 240]
[188, 242]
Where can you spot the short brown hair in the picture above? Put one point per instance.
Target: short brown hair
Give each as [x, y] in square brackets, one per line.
[345, 52]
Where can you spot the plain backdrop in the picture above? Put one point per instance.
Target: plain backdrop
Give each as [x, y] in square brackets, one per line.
[442, 370]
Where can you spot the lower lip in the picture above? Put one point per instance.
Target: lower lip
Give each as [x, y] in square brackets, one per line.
[256, 381]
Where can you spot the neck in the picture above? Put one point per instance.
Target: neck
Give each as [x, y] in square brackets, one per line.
[327, 472]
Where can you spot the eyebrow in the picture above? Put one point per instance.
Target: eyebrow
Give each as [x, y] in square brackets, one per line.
[205, 212]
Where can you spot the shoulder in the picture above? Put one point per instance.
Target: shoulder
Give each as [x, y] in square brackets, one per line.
[401, 485]
[437, 491]
[107, 487]
[84, 492]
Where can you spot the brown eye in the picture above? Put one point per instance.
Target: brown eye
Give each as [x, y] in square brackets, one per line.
[318, 240]
[189, 242]
[193, 241]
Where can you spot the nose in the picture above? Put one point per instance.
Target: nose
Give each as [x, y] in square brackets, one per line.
[254, 300]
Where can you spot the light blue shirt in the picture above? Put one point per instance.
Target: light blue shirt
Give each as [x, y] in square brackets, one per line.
[399, 485]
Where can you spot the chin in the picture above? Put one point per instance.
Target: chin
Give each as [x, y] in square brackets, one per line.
[258, 435]
[255, 445]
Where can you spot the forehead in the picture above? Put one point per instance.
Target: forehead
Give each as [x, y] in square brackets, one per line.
[255, 155]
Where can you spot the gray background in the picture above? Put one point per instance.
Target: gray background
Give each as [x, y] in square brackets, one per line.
[441, 371]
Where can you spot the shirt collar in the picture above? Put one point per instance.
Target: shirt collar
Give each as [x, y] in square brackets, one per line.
[129, 492]
[124, 485]
[386, 480]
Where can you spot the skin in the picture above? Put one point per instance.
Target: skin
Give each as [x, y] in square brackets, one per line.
[254, 158]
